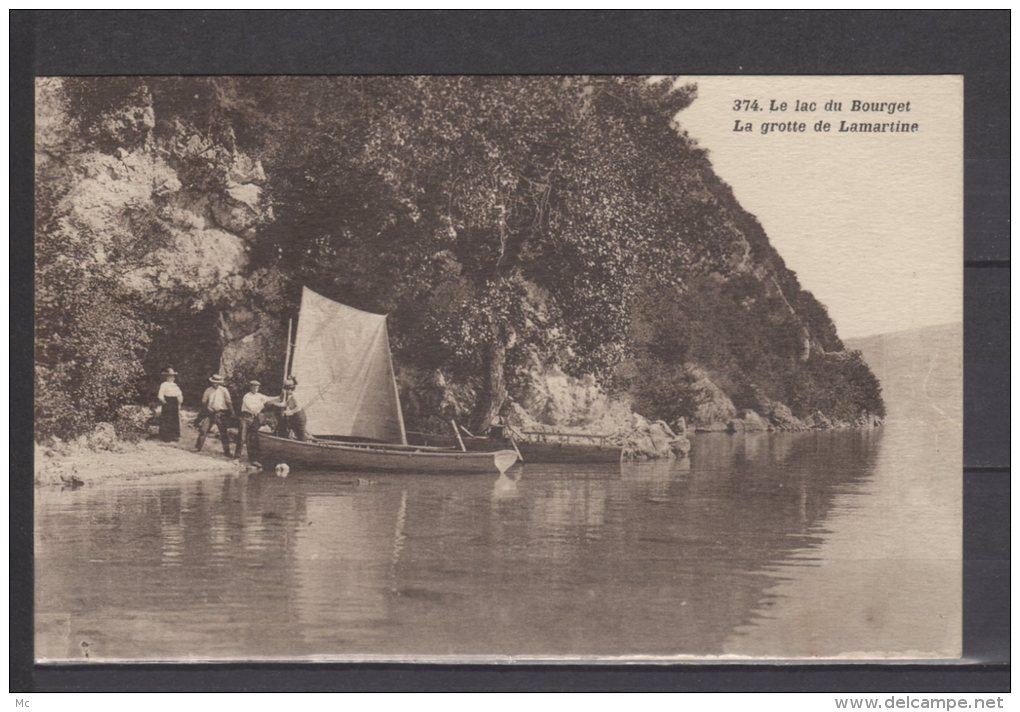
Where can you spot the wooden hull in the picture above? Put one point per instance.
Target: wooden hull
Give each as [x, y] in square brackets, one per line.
[568, 452]
[531, 451]
[339, 455]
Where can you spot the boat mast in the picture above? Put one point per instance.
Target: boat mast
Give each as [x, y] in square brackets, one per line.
[396, 388]
[286, 357]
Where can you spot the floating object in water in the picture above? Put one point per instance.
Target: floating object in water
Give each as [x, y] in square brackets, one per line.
[282, 470]
[505, 486]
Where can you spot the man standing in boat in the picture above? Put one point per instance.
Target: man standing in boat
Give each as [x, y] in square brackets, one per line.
[293, 418]
[216, 406]
[251, 416]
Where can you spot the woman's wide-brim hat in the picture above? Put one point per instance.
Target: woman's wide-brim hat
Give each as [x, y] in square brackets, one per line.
[216, 378]
[169, 372]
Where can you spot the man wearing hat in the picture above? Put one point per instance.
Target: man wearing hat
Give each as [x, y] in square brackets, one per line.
[216, 405]
[294, 418]
[251, 412]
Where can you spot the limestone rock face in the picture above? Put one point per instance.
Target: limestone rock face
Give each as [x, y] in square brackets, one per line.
[714, 408]
[780, 417]
[240, 209]
[132, 122]
[654, 440]
[103, 437]
[253, 342]
[681, 446]
[173, 213]
[245, 169]
[819, 421]
[555, 399]
[175, 210]
[748, 422]
[565, 404]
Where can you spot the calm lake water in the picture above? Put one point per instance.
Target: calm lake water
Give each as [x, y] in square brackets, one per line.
[689, 558]
[782, 545]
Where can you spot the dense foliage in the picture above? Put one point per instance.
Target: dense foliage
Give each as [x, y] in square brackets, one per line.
[501, 223]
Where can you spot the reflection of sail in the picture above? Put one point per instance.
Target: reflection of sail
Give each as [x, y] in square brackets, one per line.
[341, 567]
[342, 362]
[398, 537]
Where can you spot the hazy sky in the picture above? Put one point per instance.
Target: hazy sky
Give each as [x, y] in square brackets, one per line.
[871, 223]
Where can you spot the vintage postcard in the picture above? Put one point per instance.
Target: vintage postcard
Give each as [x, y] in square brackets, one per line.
[498, 368]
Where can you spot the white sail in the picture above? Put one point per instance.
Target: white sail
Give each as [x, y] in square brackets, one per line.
[345, 373]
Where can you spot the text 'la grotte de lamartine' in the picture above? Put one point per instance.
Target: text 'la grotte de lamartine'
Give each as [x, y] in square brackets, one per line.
[832, 116]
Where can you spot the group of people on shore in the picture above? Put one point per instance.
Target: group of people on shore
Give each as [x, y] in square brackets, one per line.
[218, 409]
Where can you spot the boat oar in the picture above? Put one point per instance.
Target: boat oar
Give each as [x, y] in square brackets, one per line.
[516, 449]
[456, 431]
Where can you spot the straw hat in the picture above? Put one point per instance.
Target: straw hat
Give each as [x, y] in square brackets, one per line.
[217, 379]
[254, 383]
[169, 372]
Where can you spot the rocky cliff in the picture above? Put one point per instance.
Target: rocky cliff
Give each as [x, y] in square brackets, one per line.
[554, 250]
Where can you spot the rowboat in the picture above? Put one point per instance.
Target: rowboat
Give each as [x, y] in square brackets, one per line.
[536, 446]
[559, 451]
[361, 456]
[349, 395]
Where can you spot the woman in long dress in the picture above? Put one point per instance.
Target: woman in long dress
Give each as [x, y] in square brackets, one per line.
[170, 397]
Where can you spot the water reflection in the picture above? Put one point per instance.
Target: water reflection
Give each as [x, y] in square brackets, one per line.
[505, 486]
[645, 559]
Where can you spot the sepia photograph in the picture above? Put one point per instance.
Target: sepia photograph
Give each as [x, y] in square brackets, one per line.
[502, 368]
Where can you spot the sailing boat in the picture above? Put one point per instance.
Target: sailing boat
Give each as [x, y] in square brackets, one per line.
[343, 363]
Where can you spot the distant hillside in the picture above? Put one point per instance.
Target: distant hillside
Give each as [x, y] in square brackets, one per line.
[921, 370]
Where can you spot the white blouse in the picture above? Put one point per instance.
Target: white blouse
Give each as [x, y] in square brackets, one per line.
[168, 389]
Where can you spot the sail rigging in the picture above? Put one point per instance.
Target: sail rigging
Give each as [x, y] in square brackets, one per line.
[345, 372]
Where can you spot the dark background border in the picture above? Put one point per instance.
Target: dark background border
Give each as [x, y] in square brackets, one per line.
[975, 44]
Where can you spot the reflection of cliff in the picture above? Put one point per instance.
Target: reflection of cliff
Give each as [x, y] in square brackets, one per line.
[892, 549]
[663, 558]
[650, 560]
[748, 503]
[133, 568]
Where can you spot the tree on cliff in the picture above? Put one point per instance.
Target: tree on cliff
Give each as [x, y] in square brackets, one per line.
[501, 224]
[506, 217]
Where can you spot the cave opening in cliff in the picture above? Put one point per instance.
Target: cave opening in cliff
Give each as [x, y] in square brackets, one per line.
[189, 341]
